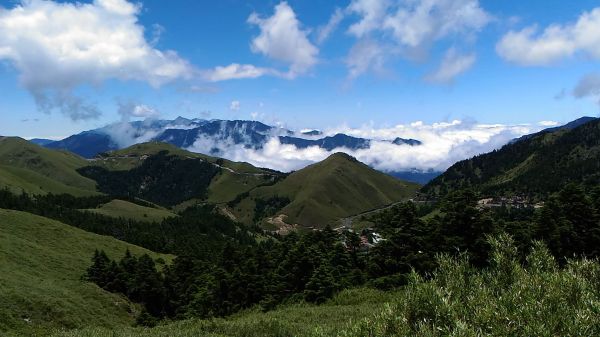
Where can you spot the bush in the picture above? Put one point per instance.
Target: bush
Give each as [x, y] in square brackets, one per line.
[507, 299]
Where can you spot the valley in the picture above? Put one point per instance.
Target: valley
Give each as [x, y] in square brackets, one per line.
[287, 168]
[212, 227]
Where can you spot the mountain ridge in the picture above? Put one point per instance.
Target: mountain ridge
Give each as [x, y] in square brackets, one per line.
[323, 192]
[184, 133]
[533, 166]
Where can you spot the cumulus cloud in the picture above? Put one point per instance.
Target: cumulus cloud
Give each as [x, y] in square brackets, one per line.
[530, 47]
[282, 38]
[453, 64]
[443, 145]
[57, 47]
[411, 27]
[418, 23]
[588, 86]
[234, 105]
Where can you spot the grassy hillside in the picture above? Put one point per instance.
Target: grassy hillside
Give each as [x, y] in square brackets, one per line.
[41, 264]
[29, 167]
[132, 156]
[507, 299]
[323, 192]
[536, 165]
[18, 179]
[124, 209]
[232, 178]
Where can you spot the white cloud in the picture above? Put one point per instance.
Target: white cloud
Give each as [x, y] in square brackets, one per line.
[529, 47]
[411, 27]
[418, 23]
[443, 145]
[57, 47]
[129, 109]
[548, 123]
[325, 31]
[372, 14]
[234, 105]
[453, 64]
[281, 38]
[366, 55]
[236, 71]
[125, 134]
[144, 111]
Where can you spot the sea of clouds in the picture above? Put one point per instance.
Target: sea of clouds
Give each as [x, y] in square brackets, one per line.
[443, 144]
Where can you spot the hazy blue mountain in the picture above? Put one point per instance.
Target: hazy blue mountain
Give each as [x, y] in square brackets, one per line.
[328, 143]
[251, 134]
[312, 133]
[215, 136]
[86, 144]
[410, 141]
[416, 176]
[41, 141]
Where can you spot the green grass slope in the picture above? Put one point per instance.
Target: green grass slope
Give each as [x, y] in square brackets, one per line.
[337, 187]
[535, 166]
[128, 210]
[233, 177]
[18, 179]
[32, 168]
[132, 156]
[41, 264]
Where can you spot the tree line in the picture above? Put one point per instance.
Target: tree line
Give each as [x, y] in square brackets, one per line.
[313, 266]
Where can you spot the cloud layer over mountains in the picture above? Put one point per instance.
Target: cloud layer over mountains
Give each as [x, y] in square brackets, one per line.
[441, 144]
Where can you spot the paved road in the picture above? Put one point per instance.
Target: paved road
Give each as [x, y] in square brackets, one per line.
[347, 222]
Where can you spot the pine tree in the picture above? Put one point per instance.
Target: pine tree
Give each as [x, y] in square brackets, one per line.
[321, 286]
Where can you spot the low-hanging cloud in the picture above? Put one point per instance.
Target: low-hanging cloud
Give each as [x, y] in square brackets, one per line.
[57, 47]
[442, 145]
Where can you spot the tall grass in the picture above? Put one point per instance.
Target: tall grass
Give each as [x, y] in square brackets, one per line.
[507, 299]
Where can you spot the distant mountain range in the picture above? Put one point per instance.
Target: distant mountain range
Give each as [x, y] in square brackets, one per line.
[216, 138]
[184, 133]
[163, 174]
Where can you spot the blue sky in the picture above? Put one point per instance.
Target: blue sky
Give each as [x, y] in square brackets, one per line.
[507, 62]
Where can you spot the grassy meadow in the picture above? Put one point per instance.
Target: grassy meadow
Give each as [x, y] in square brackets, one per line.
[41, 265]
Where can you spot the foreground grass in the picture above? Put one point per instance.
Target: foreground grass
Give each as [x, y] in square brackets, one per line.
[41, 264]
[291, 320]
[506, 300]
